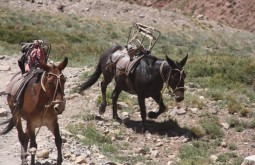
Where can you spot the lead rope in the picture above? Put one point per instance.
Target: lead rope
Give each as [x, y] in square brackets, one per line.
[163, 78]
[48, 105]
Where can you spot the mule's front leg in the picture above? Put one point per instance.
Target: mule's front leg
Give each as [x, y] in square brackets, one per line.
[31, 132]
[23, 139]
[115, 95]
[103, 104]
[58, 142]
[141, 101]
[162, 107]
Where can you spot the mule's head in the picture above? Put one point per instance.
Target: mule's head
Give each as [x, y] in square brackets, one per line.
[176, 77]
[52, 82]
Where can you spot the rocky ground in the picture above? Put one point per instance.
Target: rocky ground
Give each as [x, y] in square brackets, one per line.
[162, 144]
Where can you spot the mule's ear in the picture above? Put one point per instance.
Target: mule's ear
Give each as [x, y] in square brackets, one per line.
[183, 62]
[170, 62]
[43, 65]
[63, 64]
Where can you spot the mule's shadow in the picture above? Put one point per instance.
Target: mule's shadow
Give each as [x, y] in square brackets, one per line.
[46, 163]
[168, 128]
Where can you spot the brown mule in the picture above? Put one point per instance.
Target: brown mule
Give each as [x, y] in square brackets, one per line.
[42, 102]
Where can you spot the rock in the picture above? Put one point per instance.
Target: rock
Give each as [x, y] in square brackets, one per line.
[80, 160]
[194, 110]
[125, 115]
[72, 96]
[200, 17]
[122, 105]
[159, 144]
[3, 112]
[61, 7]
[67, 155]
[101, 156]
[249, 160]
[213, 158]
[223, 144]
[173, 112]
[80, 136]
[169, 162]
[110, 163]
[66, 133]
[139, 163]
[225, 125]
[2, 57]
[116, 124]
[185, 140]
[141, 16]
[5, 68]
[155, 154]
[40, 2]
[43, 154]
[141, 151]
[181, 111]
[201, 97]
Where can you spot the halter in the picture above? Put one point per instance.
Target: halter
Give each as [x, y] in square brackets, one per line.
[166, 79]
[55, 92]
[52, 102]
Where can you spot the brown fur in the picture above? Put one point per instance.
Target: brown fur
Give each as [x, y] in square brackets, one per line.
[36, 113]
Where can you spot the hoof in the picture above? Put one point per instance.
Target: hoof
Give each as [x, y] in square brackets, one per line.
[102, 109]
[152, 115]
[24, 162]
[32, 150]
[117, 119]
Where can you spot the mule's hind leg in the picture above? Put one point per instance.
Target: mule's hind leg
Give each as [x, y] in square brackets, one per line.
[141, 101]
[58, 141]
[115, 95]
[23, 139]
[32, 137]
[104, 85]
[162, 107]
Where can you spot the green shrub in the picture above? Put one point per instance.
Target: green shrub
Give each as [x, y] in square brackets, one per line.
[225, 157]
[198, 131]
[197, 153]
[211, 126]
[232, 146]
[233, 121]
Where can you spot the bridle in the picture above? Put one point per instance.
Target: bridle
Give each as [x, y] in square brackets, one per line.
[53, 101]
[167, 79]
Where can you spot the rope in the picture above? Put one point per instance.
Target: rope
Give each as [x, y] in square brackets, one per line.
[48, 105]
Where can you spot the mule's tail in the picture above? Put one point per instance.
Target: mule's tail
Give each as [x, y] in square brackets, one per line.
[92, 79]
[8, 128]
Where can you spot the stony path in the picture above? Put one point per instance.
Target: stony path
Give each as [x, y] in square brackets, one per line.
[73, 151]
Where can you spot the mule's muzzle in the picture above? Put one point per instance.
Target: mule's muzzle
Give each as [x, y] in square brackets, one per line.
[59, 106]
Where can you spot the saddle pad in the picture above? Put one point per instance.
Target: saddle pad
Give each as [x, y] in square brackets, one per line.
[18, 84]
[14, 84]
[118, 55]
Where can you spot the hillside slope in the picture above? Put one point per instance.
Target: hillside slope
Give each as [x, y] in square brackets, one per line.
[180, 34]
[235, 13]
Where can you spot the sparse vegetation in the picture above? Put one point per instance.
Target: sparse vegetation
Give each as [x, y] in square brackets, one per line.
[211, 126]
[197, 153]
[223, 70]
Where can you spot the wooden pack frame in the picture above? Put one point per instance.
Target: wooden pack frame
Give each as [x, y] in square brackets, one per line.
[142, 36]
